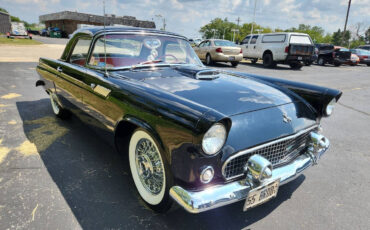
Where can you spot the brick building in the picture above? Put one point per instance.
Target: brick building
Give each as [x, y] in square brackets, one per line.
[68, 21]
[4, 22]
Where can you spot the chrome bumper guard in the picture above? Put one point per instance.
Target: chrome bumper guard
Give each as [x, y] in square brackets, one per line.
[221, 195]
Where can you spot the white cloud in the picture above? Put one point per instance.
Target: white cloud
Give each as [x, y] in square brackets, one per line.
[187, 16]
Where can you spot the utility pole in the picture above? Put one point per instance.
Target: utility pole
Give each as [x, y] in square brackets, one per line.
[214, 31]
[223, 35]
[345, 24]
[254, 15]
[238, 20]
[234, 30]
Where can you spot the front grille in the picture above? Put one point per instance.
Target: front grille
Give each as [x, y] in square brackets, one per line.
[277, 152]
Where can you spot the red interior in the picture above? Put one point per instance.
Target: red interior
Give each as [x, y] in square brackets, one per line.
[111, 61]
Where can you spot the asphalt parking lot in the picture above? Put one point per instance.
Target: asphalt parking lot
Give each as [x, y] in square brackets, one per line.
[60, 175]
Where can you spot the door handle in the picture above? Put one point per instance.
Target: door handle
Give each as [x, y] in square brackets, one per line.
[59, 69]
[254, 47]
[246, 46]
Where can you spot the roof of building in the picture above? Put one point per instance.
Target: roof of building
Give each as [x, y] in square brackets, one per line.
[92, 18]
[2, 12]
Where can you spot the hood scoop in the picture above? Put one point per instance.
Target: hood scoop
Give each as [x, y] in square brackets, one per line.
[199, 73]
[208, 74]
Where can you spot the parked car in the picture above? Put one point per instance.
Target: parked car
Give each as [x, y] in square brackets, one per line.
[18, 30]
[217, 50]
[44, 32]
[363, 55]
[330, 54]
[201, 137]
[364, 47]
[292, 49]
[353, 61]
[34, 32]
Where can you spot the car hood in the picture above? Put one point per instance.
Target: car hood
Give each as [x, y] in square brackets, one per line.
[228, 94]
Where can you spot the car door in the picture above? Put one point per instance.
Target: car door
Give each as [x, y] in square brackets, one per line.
[207, 48]
[198, 50]
[71, 72]
[97, 95]
[244, 45]
[252, 47]
[203, 49]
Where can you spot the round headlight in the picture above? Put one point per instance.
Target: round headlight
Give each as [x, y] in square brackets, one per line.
[214, 139]
[330, 107]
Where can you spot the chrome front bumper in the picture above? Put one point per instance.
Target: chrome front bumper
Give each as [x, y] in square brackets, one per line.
[221, 195]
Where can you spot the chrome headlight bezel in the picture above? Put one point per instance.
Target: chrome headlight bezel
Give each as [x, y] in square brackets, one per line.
[214, 139]
[330, 107]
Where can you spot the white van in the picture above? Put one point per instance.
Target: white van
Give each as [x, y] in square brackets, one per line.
[293, 49]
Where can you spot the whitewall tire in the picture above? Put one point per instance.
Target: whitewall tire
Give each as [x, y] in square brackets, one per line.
[57, 109]
[149, 171]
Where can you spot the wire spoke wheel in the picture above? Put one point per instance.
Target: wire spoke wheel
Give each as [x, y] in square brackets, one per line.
[149, 166]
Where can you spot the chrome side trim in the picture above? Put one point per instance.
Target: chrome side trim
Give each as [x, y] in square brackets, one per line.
[221, 195]
[243, 152]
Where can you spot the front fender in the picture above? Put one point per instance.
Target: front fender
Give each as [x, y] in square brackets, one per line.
[317, 97]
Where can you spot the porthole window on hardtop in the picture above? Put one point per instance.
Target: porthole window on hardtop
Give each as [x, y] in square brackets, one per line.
[80, 50]
[276, 38]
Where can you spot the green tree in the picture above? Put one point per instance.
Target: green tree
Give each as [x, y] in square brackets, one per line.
[15, 19]
[3, 10]
[315, 32]
[218, 28]
[340, 40]
[367, 36]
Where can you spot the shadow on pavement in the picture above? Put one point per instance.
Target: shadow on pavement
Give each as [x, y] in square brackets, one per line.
[278, 67]
[94, 181]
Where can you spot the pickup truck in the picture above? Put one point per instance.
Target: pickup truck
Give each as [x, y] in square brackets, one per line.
[292, 49]
[330, 54]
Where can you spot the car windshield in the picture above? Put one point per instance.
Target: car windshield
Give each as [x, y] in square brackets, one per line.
[223, 43]
[139, 49]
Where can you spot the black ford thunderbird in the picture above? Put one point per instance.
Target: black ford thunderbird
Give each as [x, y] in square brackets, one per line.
[201, 137]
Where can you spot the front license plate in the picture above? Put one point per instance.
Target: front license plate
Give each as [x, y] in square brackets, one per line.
[262, 194]
[231, 58]
[299, 58]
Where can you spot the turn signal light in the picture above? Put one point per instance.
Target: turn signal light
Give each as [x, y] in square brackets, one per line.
[365, 56]
[219, 50]
[241, 51]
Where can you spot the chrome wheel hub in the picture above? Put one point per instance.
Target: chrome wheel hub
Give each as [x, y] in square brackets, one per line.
[149, 166]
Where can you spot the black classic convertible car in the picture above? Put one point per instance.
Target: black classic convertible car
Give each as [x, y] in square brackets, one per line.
[201, 137]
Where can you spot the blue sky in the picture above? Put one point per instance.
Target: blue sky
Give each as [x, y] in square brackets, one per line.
[187, 16]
